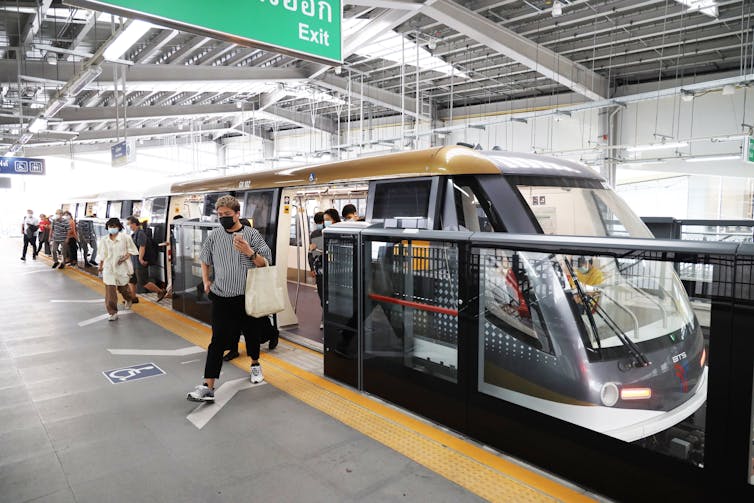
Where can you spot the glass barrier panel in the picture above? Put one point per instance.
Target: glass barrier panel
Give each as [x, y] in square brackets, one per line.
[724, 233]
[612, 344]
[411, 305]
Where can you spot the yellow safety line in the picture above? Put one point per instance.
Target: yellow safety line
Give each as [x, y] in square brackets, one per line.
[479, 471]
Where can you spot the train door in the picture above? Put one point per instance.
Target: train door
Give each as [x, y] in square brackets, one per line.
[155, 212]
[286, 250]
[303, 203]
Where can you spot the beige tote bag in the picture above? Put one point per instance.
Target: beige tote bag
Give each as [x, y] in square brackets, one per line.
[264, 295]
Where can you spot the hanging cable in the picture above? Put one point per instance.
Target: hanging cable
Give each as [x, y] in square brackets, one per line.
[659, 70]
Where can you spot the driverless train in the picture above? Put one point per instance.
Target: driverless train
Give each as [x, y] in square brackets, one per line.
[610, 344]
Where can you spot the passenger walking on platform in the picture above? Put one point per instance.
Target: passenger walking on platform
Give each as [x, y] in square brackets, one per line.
[59, 233]
[115, 266]
[269, 334]
[87, 239]
[71, 242]
[45, 226]
[146, 263]
[231, 251]
[30, 229]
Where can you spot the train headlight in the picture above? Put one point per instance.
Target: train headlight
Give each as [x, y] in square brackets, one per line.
[609, 394]
[635, 393]
[703, 359]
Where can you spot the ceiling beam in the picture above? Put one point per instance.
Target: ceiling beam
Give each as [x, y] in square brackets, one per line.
[505, 41]
[152, 50]
[187, 49]
[299, 119]
[103, 115]
[82, 33]
[34, 23]
[177, 74]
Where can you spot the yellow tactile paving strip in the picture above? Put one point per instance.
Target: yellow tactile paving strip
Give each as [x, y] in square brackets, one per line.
[477, 470]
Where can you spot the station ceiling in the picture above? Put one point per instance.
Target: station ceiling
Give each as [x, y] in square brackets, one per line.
[401, 57]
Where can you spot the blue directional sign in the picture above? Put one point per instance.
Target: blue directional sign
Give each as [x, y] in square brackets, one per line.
[133, 373]
[21, 166]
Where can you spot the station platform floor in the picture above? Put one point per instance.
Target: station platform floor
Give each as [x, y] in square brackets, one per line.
[96, 411]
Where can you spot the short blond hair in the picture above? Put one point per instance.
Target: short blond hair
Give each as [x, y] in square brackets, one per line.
[228, 202]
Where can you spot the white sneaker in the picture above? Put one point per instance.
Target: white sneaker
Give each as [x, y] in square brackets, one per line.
[321, 326]
[256, 374]
[127, 305]
[112, 317]
[201, 394]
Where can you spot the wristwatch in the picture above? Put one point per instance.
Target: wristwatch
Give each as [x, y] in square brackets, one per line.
[253, 255]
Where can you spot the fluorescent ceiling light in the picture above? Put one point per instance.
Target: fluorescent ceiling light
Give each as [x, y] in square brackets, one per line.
[39, 124]
[713, 158]
[81, 81]
[657, 146]
[56, 106]
[127, 38]
[392, 46]
[642, 163]
[706, 7]
[732, 137]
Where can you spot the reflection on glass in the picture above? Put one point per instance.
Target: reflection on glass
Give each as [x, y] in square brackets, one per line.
[580, 211]
[412, 305]
[612, 345]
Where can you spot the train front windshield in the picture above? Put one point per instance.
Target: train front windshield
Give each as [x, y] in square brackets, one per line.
[626, 305]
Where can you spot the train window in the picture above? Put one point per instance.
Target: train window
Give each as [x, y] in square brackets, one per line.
[410, 198]
[158, 217]
[512, 307]
[209, 206]
[136, 208]
[577, 208]
[114, 209]
[260, 209]
[471, 216]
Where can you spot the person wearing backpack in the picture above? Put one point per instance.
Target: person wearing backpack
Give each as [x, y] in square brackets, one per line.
[30, 229]
[146, 266]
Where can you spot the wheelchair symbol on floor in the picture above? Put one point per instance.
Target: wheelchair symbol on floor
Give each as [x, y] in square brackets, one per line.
[133, 373]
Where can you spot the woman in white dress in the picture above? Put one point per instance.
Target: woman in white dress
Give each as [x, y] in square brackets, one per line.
[115, 266]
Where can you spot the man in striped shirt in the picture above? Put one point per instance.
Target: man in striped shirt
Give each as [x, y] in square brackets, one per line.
[230, 251]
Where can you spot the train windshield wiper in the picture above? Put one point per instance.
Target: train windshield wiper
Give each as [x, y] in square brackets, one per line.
[589, 302]
[584, 302]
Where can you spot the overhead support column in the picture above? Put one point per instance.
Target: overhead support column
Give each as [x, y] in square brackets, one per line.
[505, 41]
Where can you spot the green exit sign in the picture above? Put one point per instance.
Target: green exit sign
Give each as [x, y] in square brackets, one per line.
[309, 29]
[750, 149]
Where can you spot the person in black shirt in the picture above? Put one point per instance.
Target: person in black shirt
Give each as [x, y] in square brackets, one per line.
[146, 266]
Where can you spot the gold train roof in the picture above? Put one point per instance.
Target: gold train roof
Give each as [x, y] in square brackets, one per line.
[452, 160]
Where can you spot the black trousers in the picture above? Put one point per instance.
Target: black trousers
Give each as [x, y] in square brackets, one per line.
[44, 239]
[229, 318]
[320, 288]
[30, 241]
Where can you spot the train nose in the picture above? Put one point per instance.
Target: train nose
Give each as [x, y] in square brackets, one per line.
[667, 383]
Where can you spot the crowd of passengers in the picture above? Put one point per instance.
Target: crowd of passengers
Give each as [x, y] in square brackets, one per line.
[63, 238]
[128, 264]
